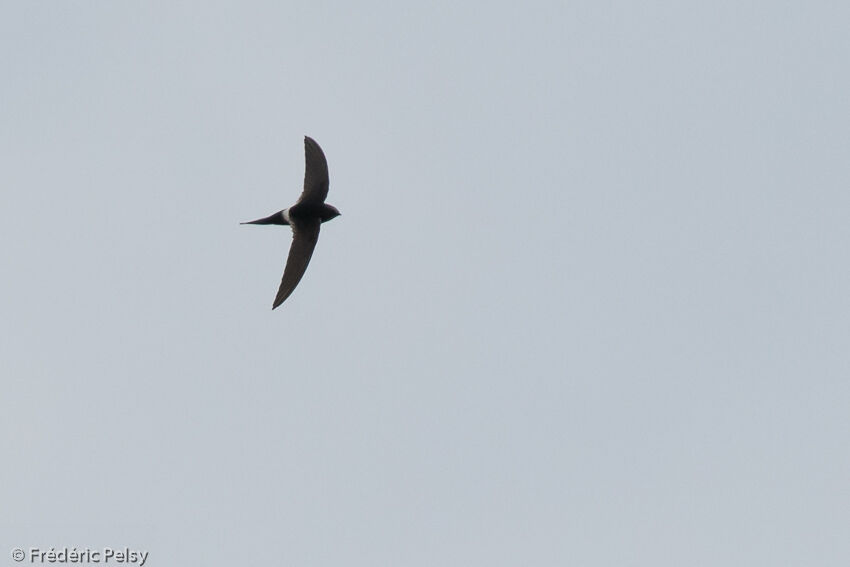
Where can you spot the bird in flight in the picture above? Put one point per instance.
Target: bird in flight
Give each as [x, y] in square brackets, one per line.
[305, 217]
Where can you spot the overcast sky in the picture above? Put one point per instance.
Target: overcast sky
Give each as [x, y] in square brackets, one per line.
[587, 302]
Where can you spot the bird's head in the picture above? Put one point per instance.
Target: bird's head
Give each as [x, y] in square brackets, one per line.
[330, 212]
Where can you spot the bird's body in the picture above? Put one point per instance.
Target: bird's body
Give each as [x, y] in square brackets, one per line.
[305, 217]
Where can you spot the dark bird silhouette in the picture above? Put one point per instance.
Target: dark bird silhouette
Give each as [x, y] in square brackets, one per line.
[305, 217]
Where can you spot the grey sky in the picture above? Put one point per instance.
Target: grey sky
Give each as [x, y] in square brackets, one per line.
[586, 304]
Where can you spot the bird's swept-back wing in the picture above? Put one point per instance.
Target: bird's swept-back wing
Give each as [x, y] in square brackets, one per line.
[305, 234]
[315, 173]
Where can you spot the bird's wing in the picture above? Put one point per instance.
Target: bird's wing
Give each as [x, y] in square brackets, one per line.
[315, 173]
[305, 234]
